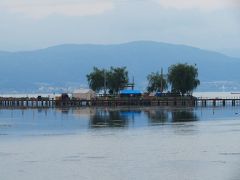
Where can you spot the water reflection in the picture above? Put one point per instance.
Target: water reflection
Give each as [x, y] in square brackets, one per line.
[156, 116]
[138, 117]
[184, 115]
[161, 116]
[64, 110]
[108, 118]
[78, 119]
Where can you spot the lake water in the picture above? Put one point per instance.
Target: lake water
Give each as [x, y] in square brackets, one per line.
[148, 143]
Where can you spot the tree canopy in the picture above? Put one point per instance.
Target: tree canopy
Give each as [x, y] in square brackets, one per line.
[113, 80]
[183, 78]
[156, 82]
[96, 79]
[117, 79]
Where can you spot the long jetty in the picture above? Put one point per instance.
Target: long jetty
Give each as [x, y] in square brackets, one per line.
[179, 101]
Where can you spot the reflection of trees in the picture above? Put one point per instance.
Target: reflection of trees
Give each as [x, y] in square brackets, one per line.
[110, 118]
[157, 115]
[184, 115]
[130, 113]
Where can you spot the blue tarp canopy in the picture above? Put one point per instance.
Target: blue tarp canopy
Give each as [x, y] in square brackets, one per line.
[158, 93]
[130, 92]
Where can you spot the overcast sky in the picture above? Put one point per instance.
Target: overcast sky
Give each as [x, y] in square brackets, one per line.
[33, 24]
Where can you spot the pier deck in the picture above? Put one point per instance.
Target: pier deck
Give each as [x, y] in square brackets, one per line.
[45, 102]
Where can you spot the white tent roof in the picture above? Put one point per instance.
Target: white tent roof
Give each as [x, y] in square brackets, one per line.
[83, 91]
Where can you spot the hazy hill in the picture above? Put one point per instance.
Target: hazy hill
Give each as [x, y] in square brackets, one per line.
[67, 65]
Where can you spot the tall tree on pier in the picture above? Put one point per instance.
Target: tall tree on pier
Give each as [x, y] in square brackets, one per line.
[111, 80]
[183, 78]
[156, 82]
[117, 79]
[96, 79]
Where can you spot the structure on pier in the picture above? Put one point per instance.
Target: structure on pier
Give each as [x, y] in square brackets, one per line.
[83, 94]
[130, 93]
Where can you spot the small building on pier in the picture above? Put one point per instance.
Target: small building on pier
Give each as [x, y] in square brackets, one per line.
[83, 94]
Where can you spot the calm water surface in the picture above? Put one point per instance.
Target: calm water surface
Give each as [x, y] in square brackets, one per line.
[120, 143]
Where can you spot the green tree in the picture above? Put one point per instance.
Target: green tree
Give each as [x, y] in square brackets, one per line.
[183, 78]
[96, 79]
[112, 80]
[156, 82]
[117, 79]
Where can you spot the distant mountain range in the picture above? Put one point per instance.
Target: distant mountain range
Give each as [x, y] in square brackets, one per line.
[64, 67]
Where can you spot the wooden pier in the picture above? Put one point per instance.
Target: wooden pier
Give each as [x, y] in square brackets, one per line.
[145, 101]
[12, 102]
[186, 101]
[217, 102]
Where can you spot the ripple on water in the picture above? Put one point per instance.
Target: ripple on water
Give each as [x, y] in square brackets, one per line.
[72, 158]
[96, 157]
[2, 154]
[230, 154]
[32, 161]
[5, 126]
